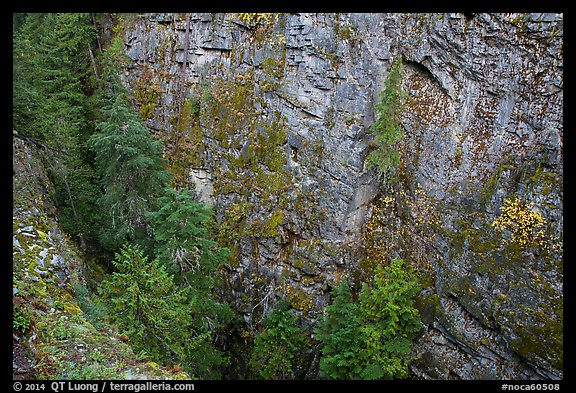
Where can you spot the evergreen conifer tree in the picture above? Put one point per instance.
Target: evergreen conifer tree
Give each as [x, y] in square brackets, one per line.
[128, 159]
[132, 171]
[389, 321]
[279, 347]
[372, 337]
[387, 129]
[182, 244]
[49, 76]
[182, 241]
[146, 304]
[340, 335]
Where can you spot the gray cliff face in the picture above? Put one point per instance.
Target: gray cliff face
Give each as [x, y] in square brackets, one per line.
[271, 120]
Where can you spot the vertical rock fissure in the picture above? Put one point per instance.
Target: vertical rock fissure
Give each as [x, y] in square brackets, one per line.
[182, 82]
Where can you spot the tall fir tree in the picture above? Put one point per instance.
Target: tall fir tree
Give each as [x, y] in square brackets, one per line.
[132, 171]
[182, 244]
[128, 160]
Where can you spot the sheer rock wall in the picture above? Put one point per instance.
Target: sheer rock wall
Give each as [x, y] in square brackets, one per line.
[271, 119]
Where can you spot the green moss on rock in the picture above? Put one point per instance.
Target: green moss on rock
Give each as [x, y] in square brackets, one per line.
[46, 266]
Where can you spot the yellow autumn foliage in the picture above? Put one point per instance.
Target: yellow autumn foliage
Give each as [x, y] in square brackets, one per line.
[522, 221]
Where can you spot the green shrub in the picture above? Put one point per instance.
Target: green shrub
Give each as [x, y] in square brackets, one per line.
[22, 318]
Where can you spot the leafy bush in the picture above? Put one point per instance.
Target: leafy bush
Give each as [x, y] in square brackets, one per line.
[22, 318]
[523, 222]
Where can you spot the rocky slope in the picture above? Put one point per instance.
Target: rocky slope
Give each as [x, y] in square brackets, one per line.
[52, 338]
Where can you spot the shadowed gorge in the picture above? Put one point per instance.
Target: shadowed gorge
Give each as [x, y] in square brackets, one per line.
[304, 196]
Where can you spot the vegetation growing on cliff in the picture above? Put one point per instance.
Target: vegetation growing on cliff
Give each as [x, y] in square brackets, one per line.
[241, 291]
[387, 129]
[524, 224]
[160, 293]
[372, 337]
